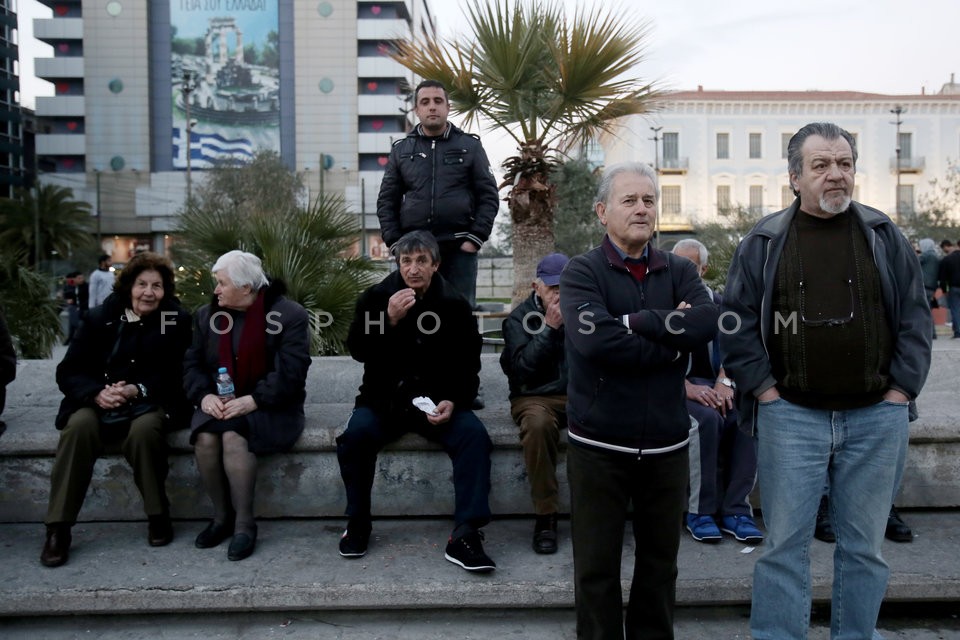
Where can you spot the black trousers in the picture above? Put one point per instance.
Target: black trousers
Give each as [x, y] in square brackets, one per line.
[603, 486]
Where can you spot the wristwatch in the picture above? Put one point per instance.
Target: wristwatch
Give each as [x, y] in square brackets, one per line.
[727, 382]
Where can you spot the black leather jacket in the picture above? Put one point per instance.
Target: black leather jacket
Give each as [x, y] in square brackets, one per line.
[443, 185]
[533, 357]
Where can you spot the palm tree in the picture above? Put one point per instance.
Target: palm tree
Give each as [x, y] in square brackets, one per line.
[254, 207]
[550, 83]
[33, 315]
[65, 225]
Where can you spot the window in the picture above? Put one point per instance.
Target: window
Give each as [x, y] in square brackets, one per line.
[670, 199]
[906, 146]
[905, 200]
[786, 196]
[671, 147]
[755, 145]
[723, 198]
[723, 146]
[756, 199]
[784, 143]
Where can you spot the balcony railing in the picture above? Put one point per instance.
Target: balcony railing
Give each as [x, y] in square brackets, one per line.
[907, 165]
[674, 165]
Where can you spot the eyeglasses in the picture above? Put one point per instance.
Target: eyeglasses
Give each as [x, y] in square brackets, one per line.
[826, 322]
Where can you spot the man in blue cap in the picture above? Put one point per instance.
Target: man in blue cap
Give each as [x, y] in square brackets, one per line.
[533, 360]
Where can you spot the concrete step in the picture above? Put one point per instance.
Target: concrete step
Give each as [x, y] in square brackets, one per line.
[721, 623]
[297, 568]
[413, 477]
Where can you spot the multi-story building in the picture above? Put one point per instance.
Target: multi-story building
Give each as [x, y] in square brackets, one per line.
[721, 149]
[148, 94]
[11, 133]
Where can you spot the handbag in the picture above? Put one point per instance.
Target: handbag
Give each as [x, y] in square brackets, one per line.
[125, 413]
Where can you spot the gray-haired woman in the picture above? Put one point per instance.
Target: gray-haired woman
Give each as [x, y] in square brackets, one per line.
[262, 339]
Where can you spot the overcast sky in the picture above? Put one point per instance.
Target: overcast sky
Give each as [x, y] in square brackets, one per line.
[876, 46]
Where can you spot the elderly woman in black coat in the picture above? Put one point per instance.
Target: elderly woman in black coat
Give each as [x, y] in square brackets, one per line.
[263, 341]
[121, 383]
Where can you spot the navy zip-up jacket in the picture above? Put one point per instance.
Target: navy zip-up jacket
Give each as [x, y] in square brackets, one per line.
[626, 389]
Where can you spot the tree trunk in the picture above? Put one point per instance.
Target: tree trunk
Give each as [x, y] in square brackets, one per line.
[530, 244]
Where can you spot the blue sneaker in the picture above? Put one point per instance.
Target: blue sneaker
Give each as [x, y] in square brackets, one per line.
[741, 527]
[703, 528]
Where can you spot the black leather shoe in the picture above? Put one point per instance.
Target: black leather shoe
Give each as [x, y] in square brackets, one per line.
[824, 529]
[897, 529]
[214, 534]
[159, 530]
[56, 550]
[545, 534]
[242, 545]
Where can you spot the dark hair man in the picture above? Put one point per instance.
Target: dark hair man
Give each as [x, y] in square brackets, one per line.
[101, 282]
[828, 338]
[420, 349]
[438, 179]
[631, 313]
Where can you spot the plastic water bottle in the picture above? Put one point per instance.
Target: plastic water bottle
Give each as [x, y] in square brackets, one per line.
[224, 384]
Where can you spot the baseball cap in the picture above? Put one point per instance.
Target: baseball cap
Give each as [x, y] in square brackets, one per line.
[550, 268]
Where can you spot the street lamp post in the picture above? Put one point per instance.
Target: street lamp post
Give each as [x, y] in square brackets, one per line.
[656, 171]
[187, 87]
[897, 111]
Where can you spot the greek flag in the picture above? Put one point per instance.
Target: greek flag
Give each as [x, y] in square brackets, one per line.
[207, 148]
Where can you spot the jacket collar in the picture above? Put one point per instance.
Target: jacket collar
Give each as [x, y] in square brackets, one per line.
[777, 223]
[656, 259]
[418, 132]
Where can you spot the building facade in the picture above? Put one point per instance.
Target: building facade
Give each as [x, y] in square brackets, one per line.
[11, 127]
[717, 150]
[149, 94]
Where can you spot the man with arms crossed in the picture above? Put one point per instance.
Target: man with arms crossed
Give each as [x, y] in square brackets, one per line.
[631, 314]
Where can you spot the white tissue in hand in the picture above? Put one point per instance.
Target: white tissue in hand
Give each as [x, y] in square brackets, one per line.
[425, 404]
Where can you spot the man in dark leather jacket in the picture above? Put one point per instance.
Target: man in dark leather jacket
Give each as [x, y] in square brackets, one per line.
[420, 349]
[536, 367]
[438, 179]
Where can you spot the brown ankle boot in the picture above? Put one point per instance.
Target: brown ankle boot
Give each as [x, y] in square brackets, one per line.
[56, 550]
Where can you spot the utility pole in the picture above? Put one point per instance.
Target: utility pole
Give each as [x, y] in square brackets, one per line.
[656, 171]
[188, 86]
[897, 111]
[363, 217]
[36, 225]
[99, 213]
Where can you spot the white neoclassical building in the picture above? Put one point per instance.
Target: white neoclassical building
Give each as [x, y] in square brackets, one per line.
[720, 149]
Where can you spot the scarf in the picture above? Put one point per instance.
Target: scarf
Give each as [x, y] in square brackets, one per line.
[251, 361]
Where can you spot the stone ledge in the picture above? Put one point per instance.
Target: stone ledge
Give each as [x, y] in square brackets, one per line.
[412, 479]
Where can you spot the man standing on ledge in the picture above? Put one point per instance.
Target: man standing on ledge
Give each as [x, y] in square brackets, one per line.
[438, 179]
[831, 343]
[631, 314]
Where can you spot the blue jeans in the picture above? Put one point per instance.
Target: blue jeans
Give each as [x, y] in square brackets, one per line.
[459, 268]
[463, 438]
[953, 303]
[861, 452]
[723, 462]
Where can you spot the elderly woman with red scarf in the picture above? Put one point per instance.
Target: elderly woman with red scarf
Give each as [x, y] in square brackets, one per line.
[263, 340]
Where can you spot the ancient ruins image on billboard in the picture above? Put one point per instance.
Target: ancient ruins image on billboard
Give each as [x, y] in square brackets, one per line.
[225, 70]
